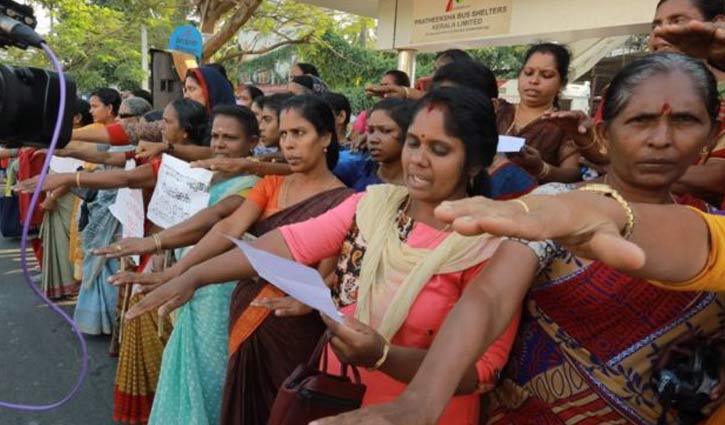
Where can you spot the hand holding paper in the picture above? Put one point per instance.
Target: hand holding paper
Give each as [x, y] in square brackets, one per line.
[297, 280]
[509, 144]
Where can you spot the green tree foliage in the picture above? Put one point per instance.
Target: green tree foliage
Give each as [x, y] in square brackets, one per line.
[99, 42]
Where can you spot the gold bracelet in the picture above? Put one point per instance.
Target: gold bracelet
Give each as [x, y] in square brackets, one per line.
[157, 242]
[78, 179]
[610, 192]
[382, 359]
[257, 164]
[589, 146]
[544, 171]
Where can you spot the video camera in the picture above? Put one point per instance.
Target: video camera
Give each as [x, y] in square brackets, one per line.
[29, 97]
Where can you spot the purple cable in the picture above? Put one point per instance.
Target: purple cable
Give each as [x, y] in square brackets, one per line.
[24, 247]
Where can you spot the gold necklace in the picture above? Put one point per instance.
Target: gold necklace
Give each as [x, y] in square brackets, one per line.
[435, 236]
[516, 117]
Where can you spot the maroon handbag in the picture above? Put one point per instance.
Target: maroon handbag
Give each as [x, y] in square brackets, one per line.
[310, 393]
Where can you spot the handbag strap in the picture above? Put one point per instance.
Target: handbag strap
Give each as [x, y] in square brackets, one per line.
[319, 359]
[314, 361]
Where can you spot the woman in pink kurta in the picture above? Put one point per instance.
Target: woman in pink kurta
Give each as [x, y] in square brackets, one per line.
[314, 240]
[400, 270]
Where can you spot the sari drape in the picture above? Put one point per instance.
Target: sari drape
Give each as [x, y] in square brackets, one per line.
[194, 362]
[264, 349]
[58, 280]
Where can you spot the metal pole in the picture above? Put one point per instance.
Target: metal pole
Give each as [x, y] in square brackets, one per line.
[145, 57]
[406, 63]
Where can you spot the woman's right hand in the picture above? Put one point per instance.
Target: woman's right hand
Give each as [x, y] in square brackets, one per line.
[587, 224]
[127, 246]
[283, 306]
[167, 297]
[228, 166]
[144, 279]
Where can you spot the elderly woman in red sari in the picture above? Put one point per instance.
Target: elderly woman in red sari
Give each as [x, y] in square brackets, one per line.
[591, 335]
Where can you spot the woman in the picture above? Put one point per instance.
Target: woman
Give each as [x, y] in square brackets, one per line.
[205, 85]
[248, 95]
[307, 84]
[194, 361]
[267, 159]
[59, 220]
[387, 128]
[301, 68]
[659, 112]
[273, 346]
[389, 236]
[105, 103]
[548, 154]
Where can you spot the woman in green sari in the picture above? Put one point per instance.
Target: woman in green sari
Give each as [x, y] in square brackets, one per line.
[194, 361]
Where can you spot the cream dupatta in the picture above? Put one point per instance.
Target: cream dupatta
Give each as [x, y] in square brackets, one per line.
[395, 272]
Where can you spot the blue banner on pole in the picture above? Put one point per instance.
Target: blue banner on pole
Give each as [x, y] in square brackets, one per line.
[188, 39]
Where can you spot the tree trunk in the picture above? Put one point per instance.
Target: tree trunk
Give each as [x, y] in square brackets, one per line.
[242, 12]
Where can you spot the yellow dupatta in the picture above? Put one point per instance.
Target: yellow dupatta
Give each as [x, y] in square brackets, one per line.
[393, 269]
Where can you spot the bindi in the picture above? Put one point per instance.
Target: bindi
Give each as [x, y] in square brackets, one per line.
[666, 109]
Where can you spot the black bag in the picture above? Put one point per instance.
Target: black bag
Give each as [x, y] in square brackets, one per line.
[310, 393]
[10, 223]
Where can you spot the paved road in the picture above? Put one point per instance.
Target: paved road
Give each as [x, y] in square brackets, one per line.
[39, 356]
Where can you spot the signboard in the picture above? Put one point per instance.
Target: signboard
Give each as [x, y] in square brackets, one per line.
[446, 20]
[187, 39]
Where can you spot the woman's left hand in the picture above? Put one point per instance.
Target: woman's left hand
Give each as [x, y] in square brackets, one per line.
[529, 158]
[354, 342]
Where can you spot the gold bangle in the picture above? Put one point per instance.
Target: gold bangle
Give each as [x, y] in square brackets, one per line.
[544, 171]
[382, 359]
[157, 242]
[78, 179]
[257, 165]
[523, 204]
[610, 192]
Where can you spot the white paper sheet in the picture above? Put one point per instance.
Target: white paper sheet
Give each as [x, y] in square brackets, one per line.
[65, 165]
[297, 280]
[181, 191]
[508, 144]
[129, 211]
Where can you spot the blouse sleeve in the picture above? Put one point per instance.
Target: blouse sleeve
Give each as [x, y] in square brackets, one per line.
[133, 133]
[321, 237]
[712, 276]
[262, 192]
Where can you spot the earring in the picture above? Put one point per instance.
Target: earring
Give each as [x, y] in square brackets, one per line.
[325, 150]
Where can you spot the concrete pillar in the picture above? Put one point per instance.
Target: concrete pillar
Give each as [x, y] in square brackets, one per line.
[406, 63]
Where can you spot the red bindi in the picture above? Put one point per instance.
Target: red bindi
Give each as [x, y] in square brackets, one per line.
[666, 109]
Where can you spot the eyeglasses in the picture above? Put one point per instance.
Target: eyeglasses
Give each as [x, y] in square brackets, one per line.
[123, 116]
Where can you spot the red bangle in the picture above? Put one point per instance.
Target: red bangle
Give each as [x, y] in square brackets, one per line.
[130, 155]
[117, 135]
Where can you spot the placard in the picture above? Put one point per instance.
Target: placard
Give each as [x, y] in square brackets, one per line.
[446, 20]
[181, 192]
[129, 211]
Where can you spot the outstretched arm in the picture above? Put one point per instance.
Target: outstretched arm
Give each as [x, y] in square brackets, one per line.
[485, 310]
[186, 233]
[138, 178]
